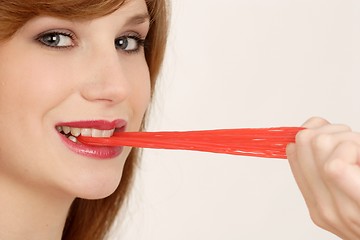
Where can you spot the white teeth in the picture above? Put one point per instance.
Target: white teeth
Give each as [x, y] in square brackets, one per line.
[96, 133]
[75, 132]
[108, 133]
[102, 133]
[86, 132]
[66, 129]
[72, 138]
[59, 128]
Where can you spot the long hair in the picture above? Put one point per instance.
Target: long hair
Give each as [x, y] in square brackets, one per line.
[92, 219]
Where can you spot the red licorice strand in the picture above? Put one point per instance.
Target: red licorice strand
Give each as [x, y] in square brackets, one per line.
[263, 142]
[182, 143]
[242, 133]
[210, 148]
[258, 145]
[234, 142]
[228, 142]
[160, 144]
[250, 151]
[266, 151]
[216, 137]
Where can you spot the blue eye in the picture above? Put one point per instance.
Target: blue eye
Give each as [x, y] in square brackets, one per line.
[56, 39]
[129, 44]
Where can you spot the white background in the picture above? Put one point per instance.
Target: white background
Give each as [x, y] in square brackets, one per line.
[236, 64]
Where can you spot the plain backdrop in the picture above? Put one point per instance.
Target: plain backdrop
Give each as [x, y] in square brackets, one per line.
[236, 64]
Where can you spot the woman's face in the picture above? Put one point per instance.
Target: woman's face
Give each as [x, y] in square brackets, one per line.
[84, 76]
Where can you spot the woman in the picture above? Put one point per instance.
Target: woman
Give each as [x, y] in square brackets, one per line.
[69, 68]
[89, 67]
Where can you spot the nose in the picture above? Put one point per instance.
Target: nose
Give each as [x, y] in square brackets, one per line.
[105, 77]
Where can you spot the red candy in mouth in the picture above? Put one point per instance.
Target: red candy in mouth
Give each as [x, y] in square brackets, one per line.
[95, 129]
[256, 142]
[73, 133]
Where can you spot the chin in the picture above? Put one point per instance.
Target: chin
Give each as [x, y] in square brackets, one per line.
[94, 182]
[98, 188]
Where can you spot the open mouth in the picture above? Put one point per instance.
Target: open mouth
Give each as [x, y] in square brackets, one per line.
[72, 132]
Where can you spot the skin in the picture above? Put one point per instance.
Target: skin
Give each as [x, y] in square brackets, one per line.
[325, 162]
[41, 86]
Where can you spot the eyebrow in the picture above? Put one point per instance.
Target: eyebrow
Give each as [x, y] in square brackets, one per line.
[138, 19]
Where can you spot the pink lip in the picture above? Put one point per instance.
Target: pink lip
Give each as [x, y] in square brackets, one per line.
[93, 151]
[98, 124]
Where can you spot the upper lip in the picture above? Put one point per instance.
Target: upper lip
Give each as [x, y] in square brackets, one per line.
[71, 130]
[97, 124]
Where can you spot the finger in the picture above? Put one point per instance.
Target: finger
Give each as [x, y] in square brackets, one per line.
[325, 144]
[343, 169]
[322, 212]
[341, 217]
[324, 140]
[318, 197]
[296, 170]
[318, 140]
[315, 122]
[308, 166]
[313, 148]
[343, 174]
[305, 186]
[306, 161]
[323, 202]
[302, 153]
[302, 164]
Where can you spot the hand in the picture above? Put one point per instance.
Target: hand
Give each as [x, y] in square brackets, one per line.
[325, 161]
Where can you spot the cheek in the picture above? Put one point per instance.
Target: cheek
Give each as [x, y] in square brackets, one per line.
[31, 84]
[49, 82]
[141, 91]
[30, 87]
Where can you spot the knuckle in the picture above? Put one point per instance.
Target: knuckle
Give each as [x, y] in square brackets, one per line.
[334, 169]
[346, 145]
[323, 217]
[352, 219]
[322, 141]
[316, 121]
[344, 127]
[349, 214]
[304, 137]
[318, 219]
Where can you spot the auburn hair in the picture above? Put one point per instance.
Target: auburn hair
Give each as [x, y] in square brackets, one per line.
[92, 219]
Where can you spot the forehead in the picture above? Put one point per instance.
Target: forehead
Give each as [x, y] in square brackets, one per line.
[79, 9]
[14, 14]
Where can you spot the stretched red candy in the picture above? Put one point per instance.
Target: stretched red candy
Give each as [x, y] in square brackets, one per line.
[257, 142]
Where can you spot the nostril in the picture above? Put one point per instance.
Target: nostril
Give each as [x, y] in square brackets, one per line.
[107, 91]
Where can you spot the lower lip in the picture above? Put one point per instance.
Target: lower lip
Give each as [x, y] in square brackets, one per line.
[91, 151]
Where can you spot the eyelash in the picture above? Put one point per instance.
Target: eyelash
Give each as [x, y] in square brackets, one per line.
[140, 41]
[41, 40]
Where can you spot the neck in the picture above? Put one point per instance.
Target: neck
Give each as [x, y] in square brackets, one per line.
[30, 213]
